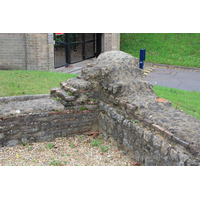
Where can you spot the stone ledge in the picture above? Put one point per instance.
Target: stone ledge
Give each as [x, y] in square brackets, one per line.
[23, 98]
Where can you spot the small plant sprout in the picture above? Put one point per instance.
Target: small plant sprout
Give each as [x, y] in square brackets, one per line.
[104, 149]
[83, 108]
[135, 121]
[49, 146]
[72, 145]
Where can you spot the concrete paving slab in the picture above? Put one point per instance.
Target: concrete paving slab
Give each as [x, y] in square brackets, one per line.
[74, 68]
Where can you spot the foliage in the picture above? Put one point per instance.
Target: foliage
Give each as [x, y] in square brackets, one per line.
[61, 38]
[184, 100]
[180, 49]
[95, 142]
[83, 108]
[21, 82]
[49, 146]
[104, 149]
[55, 162]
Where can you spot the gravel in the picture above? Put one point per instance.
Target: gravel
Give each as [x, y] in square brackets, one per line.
[73, 151]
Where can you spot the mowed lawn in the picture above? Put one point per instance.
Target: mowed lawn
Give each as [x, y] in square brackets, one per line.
[184, 100]
[182, 49]
[21, 82]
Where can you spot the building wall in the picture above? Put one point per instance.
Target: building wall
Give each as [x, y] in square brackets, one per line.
[26, 51]
[110, 42]
[12, 51]
[39, 51]
[35, 51]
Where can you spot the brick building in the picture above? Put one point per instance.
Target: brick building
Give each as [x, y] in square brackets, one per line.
[36, 51]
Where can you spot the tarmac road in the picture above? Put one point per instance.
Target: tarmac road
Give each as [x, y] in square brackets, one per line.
[182, 79]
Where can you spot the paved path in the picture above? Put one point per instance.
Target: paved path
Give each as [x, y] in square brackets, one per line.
[175, 78]
[74, 68]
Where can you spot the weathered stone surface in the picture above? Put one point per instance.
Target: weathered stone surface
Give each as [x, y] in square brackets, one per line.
[184, 157]
[157, 142]
[137, 156]
[11, 143]
[165, 148]
[149, 161]
[156, 155]
[148, 136]
[174, 155]
[31, 106]
[25, 141]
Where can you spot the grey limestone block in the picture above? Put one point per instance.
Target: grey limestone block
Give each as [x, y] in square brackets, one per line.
[137, 156]
[156, 155]
[148, 136]
[125, 122]
[25, 140]
[149, 161]
[183, 157]
[120, 118]
[11, 143]
[110, 87]
[105, 85]
[157, 142]
[174, 155]
[165, 148]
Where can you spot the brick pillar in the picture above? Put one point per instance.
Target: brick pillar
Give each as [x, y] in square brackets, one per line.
[39, 51]
[110, 42]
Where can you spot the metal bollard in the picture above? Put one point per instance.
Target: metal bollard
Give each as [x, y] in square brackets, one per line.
[142, 58]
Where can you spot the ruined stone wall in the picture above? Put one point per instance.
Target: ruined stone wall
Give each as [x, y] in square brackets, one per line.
[151, 132]
[110, 96]
[42, 120]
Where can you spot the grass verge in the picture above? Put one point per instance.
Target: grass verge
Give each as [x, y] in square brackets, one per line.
[184, 100]
[21, 82]
[180, 49]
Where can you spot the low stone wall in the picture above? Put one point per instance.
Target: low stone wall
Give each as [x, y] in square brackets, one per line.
[110, 96]
[145, 126]
[43, 124]
[142, 139]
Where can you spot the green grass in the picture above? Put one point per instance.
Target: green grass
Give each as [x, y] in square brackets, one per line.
[21, 82]
[184, 100]
[180, 49]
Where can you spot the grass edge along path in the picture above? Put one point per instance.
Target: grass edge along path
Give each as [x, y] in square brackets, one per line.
[184, 100]
[21, 82]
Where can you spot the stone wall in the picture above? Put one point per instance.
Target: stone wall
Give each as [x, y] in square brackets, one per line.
[26, 51]
[152, 132]
[42, 120]
[110, 96]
